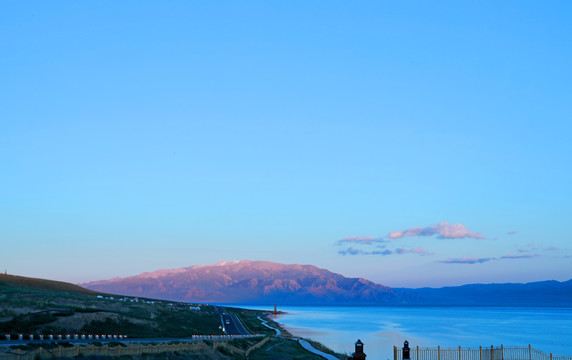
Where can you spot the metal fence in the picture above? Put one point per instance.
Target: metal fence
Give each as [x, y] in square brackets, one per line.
[92, 350]
[131, 348]
[480, 353]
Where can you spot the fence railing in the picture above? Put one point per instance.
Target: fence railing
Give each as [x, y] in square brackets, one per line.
[126, 349]
[474, 353]
[105, 350]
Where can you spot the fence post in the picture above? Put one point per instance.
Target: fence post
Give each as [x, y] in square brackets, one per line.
[417, 355]
[550, 356]
[459, 352]
[394, 352]
[502, 351]
[481, 352]
[438, 352]
[530, 352]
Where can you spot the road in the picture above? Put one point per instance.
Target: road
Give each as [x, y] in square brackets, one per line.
[230, 323]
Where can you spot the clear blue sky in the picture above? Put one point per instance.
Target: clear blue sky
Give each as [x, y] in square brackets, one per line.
[410, 143]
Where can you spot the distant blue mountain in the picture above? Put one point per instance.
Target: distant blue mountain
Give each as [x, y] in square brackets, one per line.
[541, 293]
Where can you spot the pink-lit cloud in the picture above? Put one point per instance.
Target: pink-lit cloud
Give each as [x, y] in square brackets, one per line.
[443, 230]
[421, 251]
[465, 260]
[360, 240]
[511, 256]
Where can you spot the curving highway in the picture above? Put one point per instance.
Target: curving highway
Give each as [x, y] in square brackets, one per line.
[230, 323]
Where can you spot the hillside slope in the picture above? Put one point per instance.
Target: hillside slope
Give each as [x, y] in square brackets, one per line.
[37, 306]
[42, 284]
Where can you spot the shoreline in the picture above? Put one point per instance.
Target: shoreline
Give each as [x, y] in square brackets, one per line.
[308, 344]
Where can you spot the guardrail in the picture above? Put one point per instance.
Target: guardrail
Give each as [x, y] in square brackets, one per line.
[104, 350]
[473, 353]
[118, 349]
[66, 337]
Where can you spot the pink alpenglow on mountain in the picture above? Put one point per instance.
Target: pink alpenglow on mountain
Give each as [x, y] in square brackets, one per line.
[253, 282]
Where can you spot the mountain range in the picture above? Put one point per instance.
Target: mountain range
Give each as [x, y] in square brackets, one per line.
[263, 282]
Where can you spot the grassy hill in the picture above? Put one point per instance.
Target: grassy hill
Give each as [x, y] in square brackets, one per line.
[15, 283]
[37, 306]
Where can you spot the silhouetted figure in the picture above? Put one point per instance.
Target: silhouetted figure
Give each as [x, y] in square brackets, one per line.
[359, 354]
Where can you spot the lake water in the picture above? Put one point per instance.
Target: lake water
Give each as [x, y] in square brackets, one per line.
[380, 328]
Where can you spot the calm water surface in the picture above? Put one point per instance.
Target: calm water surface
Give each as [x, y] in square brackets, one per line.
[380, 328]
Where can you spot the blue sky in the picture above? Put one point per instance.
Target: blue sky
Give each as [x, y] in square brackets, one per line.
[411, 143]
